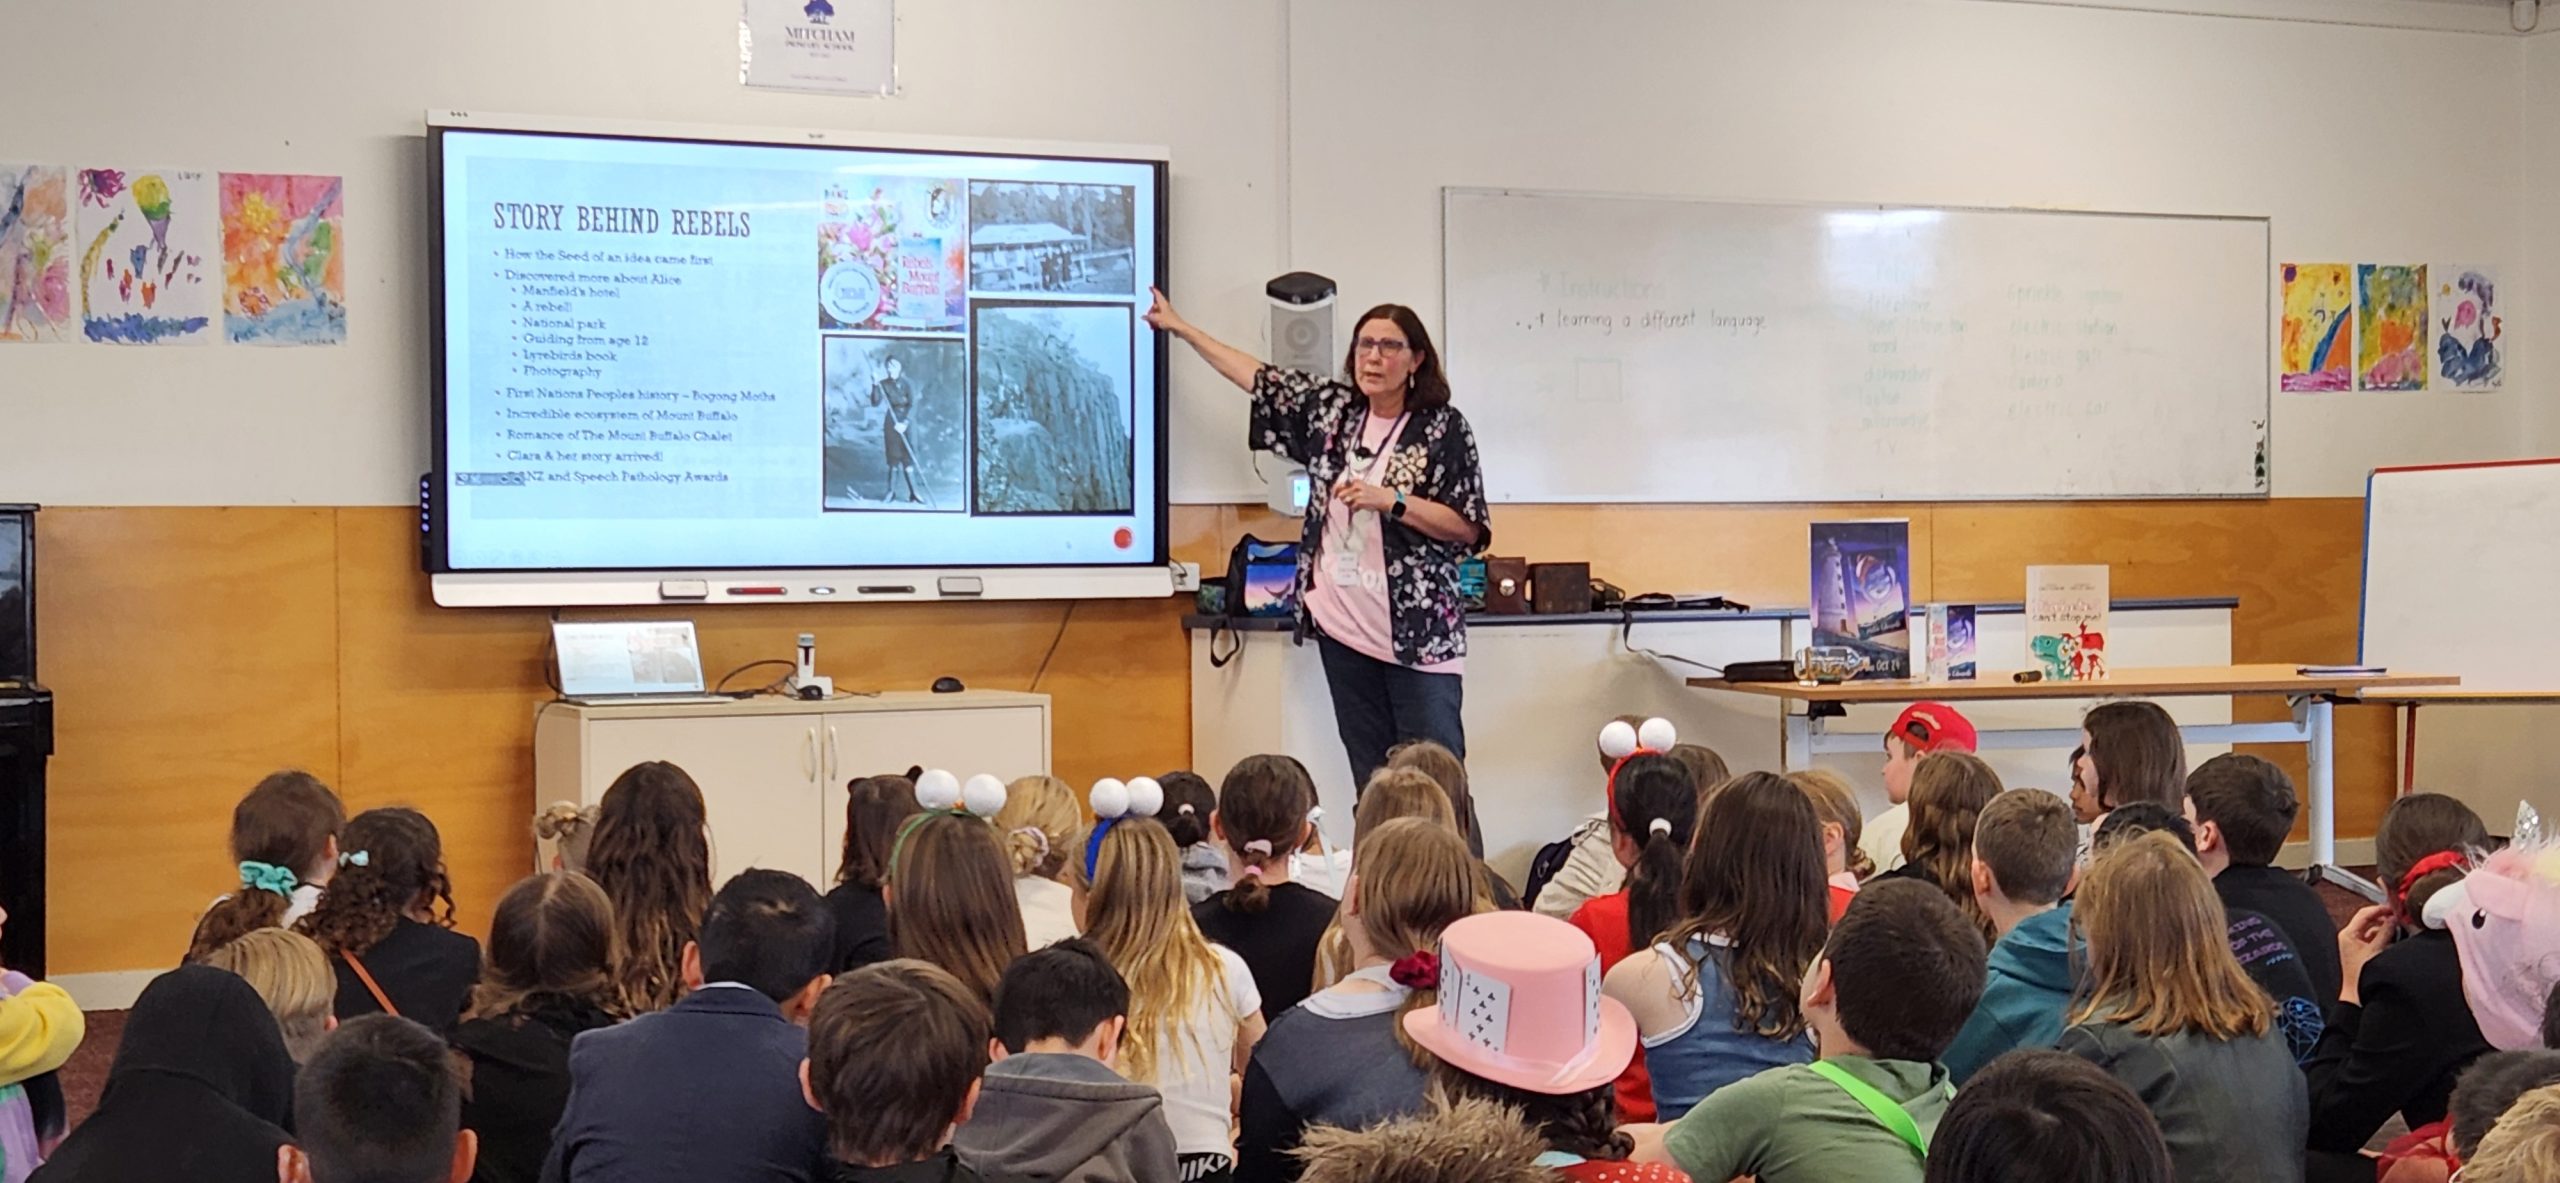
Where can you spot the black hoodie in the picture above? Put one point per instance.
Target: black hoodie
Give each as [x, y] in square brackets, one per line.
[201, 1090]
[520, 1082]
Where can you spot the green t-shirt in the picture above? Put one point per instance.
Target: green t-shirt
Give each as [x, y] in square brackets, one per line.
[1790, 1125]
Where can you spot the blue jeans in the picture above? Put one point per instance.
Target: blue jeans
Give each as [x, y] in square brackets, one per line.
[1379, 704]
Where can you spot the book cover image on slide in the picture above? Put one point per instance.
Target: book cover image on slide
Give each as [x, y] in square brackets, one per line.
[1862, 592]
[2067, 622]
[893, 254]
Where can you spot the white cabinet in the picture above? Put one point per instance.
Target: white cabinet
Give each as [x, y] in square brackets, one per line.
[773, 771]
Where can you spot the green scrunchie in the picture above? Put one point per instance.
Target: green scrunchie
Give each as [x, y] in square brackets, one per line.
[268, 877]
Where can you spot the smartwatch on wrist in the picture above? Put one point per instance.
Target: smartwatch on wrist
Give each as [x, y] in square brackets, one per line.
[1396, 511]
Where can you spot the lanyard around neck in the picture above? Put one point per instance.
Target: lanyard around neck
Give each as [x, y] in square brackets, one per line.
[1887, 1112]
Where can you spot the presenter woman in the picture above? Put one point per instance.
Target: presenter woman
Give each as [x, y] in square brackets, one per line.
[1403, 501]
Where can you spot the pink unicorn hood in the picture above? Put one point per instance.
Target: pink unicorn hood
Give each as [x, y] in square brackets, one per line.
[2505, 921]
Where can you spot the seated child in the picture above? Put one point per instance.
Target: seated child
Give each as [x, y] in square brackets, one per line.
[1273, 923]
[292, 975]
[379, 1103]
[386, 923]
[2524, 1147]
[1922, 728]
[1894, 985]
[2265, 955]
[1552, 1054]
[1188, 803]
[705, 1089]
[2243, 809]
[1468, 1142]
[2043, 1116]
[1717, 998]
[1590, 869]
[1842, 825]
[1041, 824]
[2168, 1011]
[890, 1118]
[284, 840]
[874, 808]
[1052, 1106]
[2025, 858]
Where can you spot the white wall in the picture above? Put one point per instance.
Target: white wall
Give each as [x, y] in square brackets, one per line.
[1309, 133]
[2541, 104]
[2340, 134]
[334, 87]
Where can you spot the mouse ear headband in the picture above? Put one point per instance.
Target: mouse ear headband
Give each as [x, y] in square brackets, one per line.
[1114, 801]
[942, 793]
[1621, 741]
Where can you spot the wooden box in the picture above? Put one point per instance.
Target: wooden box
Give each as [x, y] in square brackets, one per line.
[1506, 586]
[1560, 589]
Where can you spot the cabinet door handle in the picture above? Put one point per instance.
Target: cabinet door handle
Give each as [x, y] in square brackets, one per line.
[831, 754]
[809, 753]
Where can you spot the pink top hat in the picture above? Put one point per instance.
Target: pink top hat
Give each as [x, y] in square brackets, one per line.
[1520, 1005]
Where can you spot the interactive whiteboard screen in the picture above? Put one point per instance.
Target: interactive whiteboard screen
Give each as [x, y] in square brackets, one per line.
[661, 354]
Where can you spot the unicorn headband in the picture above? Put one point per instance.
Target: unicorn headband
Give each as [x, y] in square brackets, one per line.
[1115, 801]
[942, 793]
[1621, 742]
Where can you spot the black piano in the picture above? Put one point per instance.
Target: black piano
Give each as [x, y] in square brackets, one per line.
[26, 741]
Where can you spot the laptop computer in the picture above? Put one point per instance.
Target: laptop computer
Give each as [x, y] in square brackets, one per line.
[622, 662]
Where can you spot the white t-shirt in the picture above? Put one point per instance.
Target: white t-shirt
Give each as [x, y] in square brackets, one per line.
[1327, 873]
[305, 897]
[1193, 1071]
[1882, 837]
[1048, 910]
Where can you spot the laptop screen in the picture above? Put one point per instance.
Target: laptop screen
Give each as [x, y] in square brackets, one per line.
[608, 657]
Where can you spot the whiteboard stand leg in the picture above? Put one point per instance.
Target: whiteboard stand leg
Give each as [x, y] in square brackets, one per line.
[1795, 742]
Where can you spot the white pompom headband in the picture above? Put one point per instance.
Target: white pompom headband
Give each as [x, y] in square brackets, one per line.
[1621, 742]
[942, 793]
[1113, 801]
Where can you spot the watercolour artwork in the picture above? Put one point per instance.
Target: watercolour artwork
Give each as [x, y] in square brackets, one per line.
[2471, 346]
[147, 240]
[2318, 347]
[2391, 327]
[35, 252]
[284, 271]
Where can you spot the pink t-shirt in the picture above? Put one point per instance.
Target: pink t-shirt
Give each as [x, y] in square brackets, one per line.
[1355, 613]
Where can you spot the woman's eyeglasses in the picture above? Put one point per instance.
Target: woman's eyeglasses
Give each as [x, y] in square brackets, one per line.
[1382, 346]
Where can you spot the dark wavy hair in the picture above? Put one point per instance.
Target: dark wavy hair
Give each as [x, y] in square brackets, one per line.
[652, 856]
[397, 863]
[1430, 383]
[1755, 877]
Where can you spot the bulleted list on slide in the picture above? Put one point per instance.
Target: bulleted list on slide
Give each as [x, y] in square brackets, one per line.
[621, 357]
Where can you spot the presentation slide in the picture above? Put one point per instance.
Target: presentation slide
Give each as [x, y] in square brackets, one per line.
[687, 355]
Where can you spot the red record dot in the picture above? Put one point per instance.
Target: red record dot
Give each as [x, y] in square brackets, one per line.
[1122, 538]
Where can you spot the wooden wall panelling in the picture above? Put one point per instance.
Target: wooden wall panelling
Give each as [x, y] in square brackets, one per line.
[2295, 563]
[437, 707]
[190, 652]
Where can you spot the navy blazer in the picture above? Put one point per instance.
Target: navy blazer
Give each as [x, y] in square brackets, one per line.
[708, 1089]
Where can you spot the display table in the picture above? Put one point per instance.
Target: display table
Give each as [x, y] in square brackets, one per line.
[1539, 687]
[773, 770]
[1809, 706]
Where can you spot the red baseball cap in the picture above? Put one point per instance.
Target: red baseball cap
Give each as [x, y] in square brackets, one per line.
[1934, 727]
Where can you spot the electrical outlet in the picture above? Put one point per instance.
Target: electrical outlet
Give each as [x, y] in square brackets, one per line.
[1186, 577]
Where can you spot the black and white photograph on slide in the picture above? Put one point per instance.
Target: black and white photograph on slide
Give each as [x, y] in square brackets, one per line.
[1053, 392]
[897, 425]
[1074, 239]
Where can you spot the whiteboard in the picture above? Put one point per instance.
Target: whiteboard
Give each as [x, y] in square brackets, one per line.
[2454, 557]
[1651, 349]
